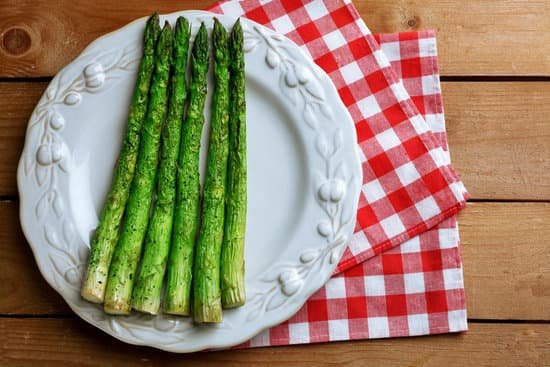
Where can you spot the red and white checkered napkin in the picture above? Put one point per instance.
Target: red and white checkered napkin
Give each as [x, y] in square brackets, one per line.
[410, 195]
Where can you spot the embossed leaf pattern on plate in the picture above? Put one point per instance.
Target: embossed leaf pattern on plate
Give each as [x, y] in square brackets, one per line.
[296, 81]
[50, 155]
[298, 84]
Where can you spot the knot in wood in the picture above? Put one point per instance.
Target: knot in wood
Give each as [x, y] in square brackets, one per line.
[16, 41]
[413, 22]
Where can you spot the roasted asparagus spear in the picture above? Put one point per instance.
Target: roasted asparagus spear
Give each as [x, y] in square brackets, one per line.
[147, 291]
[232, 256]
[128, 249]
[106, 235]
[180, 261]
[207, 305]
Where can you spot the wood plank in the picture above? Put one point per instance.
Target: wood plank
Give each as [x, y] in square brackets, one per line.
[505, 254]
[22, 288]
[499, 135]
[72, 342]
[482, 38]
[17, 103]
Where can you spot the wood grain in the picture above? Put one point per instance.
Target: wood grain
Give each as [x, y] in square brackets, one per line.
[481, 37]
[476, 37]
[71, 342]
[505, 254]
[17, 101]
[23, 290]
[499, 135]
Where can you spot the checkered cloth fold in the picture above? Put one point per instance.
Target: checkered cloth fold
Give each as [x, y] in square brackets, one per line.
[410, 193]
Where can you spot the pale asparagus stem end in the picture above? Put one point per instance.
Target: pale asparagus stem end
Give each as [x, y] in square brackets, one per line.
[177, 312]
[150, 308]
[233, 297]
[93, 294]
[117, 308]
[208, 314]
[93, 288]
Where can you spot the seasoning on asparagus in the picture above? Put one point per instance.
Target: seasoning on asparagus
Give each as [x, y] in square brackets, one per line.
[207, 306]
[232, 257]
[180, 260]
[106, 235]
[128, 250]
[147, 290]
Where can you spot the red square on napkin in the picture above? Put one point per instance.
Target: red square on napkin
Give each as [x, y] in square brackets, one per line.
[410, 193]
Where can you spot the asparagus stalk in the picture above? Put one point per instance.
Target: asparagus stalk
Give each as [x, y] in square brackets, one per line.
[106, 235]
[128, 250]
[232, 257]
[180, 260]
[148, 287]
[207, 305]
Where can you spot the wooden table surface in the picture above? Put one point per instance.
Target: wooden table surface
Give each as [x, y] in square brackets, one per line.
[495, 64]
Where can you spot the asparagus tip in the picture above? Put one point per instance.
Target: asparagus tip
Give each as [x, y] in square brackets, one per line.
[200, 46]
[218, 26]
[237, 23]
[237, 35]
[154, 18]
[202, 34]
[182, 22]
[219, 38]
[202, 31]
[152, 29]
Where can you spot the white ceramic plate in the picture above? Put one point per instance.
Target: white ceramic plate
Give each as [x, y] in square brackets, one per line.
[304, 180]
